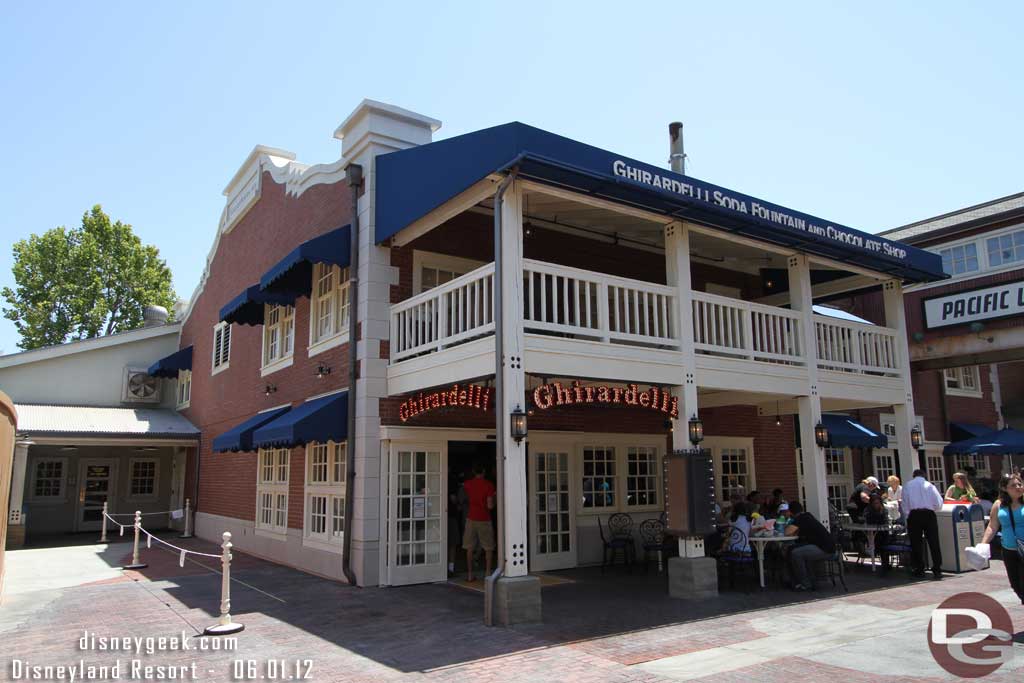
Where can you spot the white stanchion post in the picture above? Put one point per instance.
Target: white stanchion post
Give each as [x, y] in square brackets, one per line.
[103, 532]
[225, 625]
[136, 564]
[188, 519]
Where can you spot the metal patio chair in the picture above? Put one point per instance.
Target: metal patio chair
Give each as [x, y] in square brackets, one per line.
[614, 543]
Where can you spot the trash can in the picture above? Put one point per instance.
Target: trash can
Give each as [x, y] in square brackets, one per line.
[954, 521]
[977, 523]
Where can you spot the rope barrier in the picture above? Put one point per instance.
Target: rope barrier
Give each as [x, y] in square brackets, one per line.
[225, 625]
[144, 514]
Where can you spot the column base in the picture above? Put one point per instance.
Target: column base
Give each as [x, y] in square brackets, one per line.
[517, 600]
[141, 565]
[692, 578]
[15, 536]
[223, 629]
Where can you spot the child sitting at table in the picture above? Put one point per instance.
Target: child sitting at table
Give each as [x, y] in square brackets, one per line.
[784, 517]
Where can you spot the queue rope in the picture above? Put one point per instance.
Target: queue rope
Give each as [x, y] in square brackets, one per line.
[144, 514]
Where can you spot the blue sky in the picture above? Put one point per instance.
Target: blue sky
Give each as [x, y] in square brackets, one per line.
[869, 114]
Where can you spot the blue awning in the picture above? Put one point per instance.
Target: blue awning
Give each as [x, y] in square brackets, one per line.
[239, 437]
[961, 431]
[845, 432]
[293, 275]
[1004, 442]
[247, 307]
[170, 365]
[412, 182]
[322, 419]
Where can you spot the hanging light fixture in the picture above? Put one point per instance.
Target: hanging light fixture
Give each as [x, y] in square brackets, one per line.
[821, 435]
[778, 418]
[916, 437]
[517, 424]
[696, 428]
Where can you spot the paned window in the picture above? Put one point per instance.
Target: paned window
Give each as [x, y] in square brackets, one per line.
[641, 475]
[960, 259]
[278, 333]
[599, 477]
[49, 479]
[329, 302]
[272, 490]
[325, 492]
[963, 381]
[143, 478]
[184, 388]
[1005, 249]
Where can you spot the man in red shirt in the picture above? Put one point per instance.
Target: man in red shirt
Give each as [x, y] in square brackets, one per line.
[481, 494]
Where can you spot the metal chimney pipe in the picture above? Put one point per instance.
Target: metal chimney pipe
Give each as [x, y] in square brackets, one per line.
[677, 157]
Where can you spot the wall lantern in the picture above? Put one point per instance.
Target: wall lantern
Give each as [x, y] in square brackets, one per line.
[696, 428]
[322, 370]
[821, 435]
[517, 424]
[916, 437]
[270, 389]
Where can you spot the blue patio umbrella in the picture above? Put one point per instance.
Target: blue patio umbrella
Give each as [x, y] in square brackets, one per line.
[1004, 442]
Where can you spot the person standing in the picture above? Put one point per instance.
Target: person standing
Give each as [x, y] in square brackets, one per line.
[814, 542]
[1008, 521]
[481, 494]
[922, 500]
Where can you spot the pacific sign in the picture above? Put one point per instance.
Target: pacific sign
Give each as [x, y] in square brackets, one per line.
[999, 301]
[750, 207]
[555, 394]
[465, 396]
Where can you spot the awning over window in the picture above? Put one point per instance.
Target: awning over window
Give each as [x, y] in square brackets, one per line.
[247, 307]
[1004, 442]
[961, 431]
[239, 437]
[170, 365]
[322, 419]
[845, 432]
[293, 275]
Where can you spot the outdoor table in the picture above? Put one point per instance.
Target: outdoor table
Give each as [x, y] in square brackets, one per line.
[869, 530]
[762, 542]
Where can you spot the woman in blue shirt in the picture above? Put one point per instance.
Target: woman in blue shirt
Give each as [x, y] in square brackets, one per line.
[1008, 517]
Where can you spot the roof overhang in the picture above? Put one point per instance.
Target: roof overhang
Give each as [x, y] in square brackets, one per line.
[413, 182]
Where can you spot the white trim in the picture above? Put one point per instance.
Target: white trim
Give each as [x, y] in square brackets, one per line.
[960, 391]
[131, 476]
[33, 466]
[277, 365]
[84, 345]
[332, 490]
[327, 344]
[218, 345]
[326, 393]
[716, 443]
[287, 313]
[184, 380]
[273, 487]
[267, 410]
[984, 266]
[430, 259]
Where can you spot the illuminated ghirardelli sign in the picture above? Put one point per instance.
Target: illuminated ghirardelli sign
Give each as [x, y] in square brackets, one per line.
[555, 394]
[732, 201]
[456, 396]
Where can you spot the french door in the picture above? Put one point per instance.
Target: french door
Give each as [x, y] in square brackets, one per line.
[417, 513]
[552, 509]
[97, 483]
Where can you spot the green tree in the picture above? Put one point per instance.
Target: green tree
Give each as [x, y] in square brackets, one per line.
[84, 282]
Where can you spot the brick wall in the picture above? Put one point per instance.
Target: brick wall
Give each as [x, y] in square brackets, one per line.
[275, 225]
[774, 445]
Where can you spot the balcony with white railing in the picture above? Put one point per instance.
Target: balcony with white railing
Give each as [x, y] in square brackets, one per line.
[574, 320]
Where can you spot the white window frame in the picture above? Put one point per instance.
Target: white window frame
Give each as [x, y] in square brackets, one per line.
[429, 259]
[131, 477]
[961, 378]
[952, 256]
[935, 468]
[220, 357]
[980, 464]
[716, 444]
[284, 327]
[183, 391]
[1012, 235]
[61, 497]
[330, 287]
[332, 489]
[882, 471]
[888, 423]
[985, 267]
[621, 446]
[272, 479]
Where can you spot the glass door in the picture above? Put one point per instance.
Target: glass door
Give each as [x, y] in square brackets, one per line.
[97, 483]
[552, 513]
[417, 535]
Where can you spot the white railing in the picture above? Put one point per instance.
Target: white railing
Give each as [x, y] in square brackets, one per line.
[443, 316]
[731, 327]
[585, 304]
[848, 346]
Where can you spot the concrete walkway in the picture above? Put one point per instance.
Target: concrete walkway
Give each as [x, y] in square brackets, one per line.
[613, 627]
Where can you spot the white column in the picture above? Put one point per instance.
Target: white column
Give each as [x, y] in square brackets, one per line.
[513, 382]
[18, 484]
[677, 274]
[905, 417]
[809, 405]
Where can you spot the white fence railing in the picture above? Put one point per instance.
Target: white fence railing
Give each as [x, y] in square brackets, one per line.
[443, 316]
[730, 327]
[855, 347]
[582, 303]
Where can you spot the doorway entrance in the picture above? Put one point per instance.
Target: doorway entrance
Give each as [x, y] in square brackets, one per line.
[463, 458]
[97, 481]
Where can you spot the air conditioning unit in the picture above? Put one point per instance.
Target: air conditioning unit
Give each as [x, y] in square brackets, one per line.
[140, 386]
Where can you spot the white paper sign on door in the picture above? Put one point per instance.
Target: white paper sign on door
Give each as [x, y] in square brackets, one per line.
[419, 507]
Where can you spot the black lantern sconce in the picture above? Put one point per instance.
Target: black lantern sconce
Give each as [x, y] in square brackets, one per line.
[517, 424]
[322, 370]
[916, 437]
[696, 428]
[821, 435]
[269, 389]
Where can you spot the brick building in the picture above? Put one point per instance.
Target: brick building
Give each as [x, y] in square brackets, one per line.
[625, 300]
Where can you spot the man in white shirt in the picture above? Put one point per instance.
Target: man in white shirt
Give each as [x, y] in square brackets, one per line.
[921, 500]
